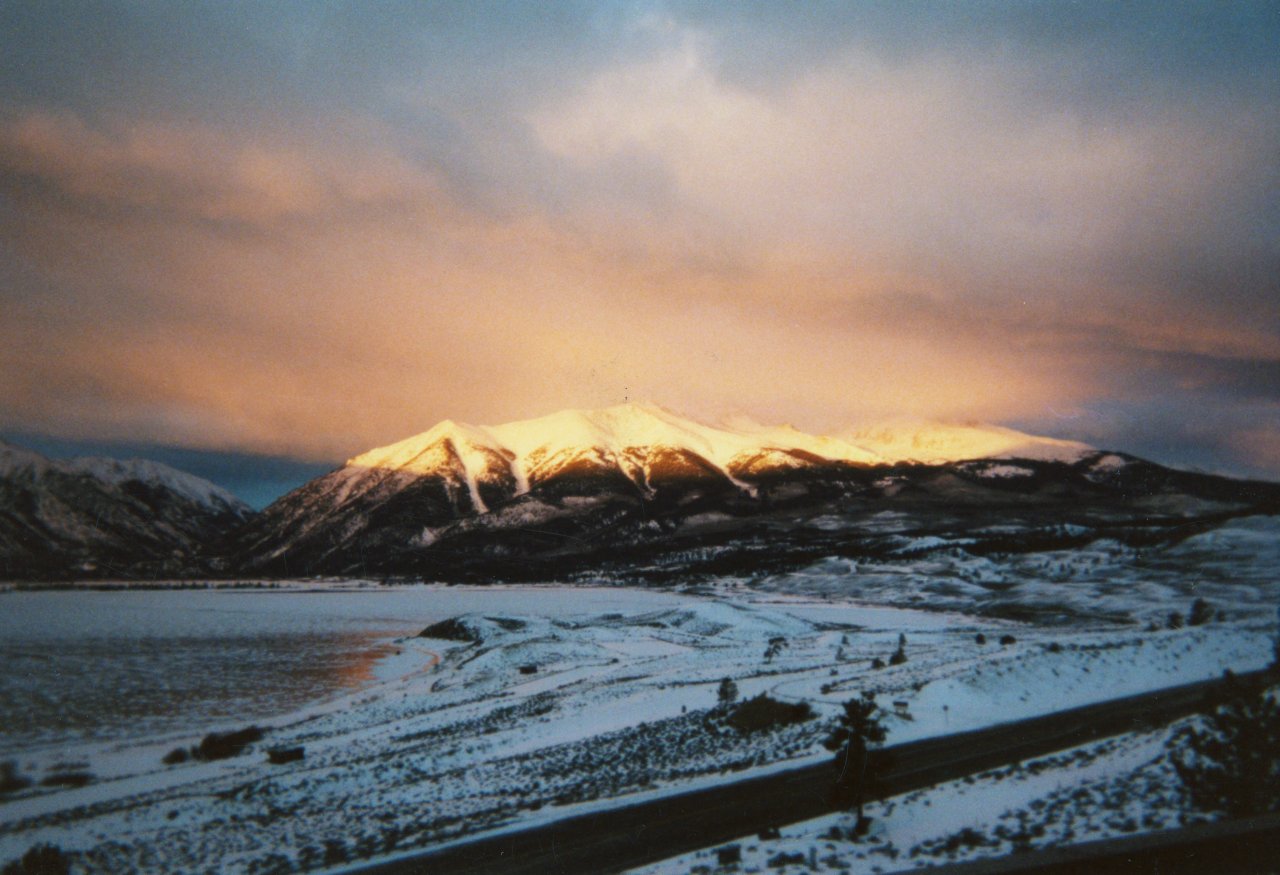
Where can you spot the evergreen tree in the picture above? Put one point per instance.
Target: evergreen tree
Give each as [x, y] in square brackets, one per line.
[728, 692]
[899, 655]
[857, 731]
[775, 647]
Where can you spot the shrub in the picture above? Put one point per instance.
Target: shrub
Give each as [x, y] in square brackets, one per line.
[877, 663]
[1006, 640]
[980, 638]
[1231, 762]
[175, 756]
[281, 755]
[40, 860]
[10, 780]
[1200, 613]
[727, 694]
[221, 745]
[764, 712]
[1175, 620]
[335, 852]
[66, 779]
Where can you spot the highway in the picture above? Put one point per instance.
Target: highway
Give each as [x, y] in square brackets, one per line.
[654, 829]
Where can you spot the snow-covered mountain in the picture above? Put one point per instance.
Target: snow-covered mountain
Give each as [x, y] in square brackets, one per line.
[934, 443]
[643, 443]
[635, 485]
[97, 517]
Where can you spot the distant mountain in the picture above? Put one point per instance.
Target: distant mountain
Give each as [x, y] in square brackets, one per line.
[639, 492]
[102, 517]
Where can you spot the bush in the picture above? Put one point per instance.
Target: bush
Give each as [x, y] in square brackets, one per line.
[1006, 640]
[222, 745]
[335, 852]
[1200, 613]
[175, 756]
[1231, 762]
[280, 755]
[1175, 621]
[727, 694]
[10, 780]
[764, 712]
[40, 860]
[980, 638]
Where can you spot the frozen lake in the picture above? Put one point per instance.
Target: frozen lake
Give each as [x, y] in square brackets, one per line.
[80, 666]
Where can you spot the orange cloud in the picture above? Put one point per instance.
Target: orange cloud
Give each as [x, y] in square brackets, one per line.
[199, 171]
[864, 240]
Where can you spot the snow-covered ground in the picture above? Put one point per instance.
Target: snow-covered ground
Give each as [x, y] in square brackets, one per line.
[1233, 565]
[569, 698]
[1116, 787]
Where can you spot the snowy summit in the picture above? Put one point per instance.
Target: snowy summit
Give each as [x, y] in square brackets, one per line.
[625, 434]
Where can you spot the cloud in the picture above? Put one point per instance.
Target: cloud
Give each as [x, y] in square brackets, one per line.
[944, 165]
[304, 229]
[199, 172]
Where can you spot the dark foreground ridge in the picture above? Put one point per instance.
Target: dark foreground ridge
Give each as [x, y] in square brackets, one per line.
[657, 829]
[1250, 844]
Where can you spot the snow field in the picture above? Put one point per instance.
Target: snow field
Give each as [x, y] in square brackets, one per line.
[601, 695]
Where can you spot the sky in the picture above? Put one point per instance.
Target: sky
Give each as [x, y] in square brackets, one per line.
[285, 233]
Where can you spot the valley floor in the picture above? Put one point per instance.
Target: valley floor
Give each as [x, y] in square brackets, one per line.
[608, 697]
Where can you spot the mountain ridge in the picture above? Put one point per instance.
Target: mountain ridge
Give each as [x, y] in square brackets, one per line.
[636, 483]
[631, 492]
[91, 515]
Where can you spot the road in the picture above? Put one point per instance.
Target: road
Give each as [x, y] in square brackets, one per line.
[655, 829]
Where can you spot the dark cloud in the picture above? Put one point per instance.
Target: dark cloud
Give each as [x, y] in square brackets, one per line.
[1098, 55]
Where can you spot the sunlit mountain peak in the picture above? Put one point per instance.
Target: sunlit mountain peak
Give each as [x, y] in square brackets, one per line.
[934, 442]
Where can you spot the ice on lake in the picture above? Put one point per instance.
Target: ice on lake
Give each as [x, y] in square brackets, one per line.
[85, 665]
